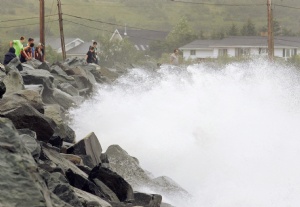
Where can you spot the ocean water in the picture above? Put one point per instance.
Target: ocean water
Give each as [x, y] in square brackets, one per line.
[229, 135]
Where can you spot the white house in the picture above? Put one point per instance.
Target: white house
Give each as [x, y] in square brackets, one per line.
[141, 39]
[198, 49]
[237, 46]
[55, 43]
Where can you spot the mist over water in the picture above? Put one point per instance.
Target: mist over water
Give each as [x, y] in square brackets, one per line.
[230, 136]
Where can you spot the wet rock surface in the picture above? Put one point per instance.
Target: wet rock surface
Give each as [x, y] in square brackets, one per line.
[41, 162]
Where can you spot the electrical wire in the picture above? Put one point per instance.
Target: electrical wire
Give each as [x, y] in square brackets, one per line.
[12, 20]
[109, 23]
[215, 4]
[107, 30]
[24, 25]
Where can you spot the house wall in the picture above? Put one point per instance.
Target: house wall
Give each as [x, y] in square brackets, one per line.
[205, 53]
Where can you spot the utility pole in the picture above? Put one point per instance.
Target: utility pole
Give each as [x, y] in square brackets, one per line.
[42, 24]
[270, 32]
[62, 38]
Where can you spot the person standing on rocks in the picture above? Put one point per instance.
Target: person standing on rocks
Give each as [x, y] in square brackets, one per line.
[174, 57]
[90, 55]
[9, 55]
[95, 52]
[39, 52]
[26, 53]
[31, 40]
[18, 45]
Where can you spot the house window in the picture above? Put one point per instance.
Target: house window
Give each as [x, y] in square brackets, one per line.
[222, 52]
[193, 52]
[239, 52]
[289, 52]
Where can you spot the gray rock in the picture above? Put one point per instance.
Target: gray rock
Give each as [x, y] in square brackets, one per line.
[24, 115]
[149, 200]
[60, 161]
[27, 132]
[68, 88]
[33, 97]
[57, 70]
[14, 64]
[106, 191]
[13, 81]
[43, 77]
[64, 99]
[44, 66]
[87, 185]
[19, 172]
[115, 182]
[34, 63]
[132, 173]
[31, 145]
[54, 112]
[90, 200]
[59, 185]
[89, 145]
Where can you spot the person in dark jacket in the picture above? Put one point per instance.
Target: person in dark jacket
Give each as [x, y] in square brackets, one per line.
[9, 55]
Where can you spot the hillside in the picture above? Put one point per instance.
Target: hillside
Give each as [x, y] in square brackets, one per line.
[204, 16]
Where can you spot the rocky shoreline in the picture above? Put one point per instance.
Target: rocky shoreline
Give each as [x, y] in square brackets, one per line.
[41, 162]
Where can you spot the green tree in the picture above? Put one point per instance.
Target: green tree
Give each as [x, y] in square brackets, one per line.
[276, 28]
[180, 35]
[233, 30]
[248, 29]
[119, 51]
[52, 56]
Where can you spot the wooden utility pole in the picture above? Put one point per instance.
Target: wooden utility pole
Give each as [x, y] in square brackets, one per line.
[42, 25]
[270, 32]
[62, 38]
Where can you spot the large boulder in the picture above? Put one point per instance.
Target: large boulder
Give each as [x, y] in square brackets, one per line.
[55, 112]
[23, 115]
[115, 182]
[59, 185]
[31, 144]
[87, 185]
[43, 77]
[90, 200]
[34, 63]
[14, 64]
[33, 97]
[132, 173]
[13, 81]
[20, 181]
[65, 100]
[140, 178]
[61, 162]
[68, 88]
[89, 145]
[149, 200]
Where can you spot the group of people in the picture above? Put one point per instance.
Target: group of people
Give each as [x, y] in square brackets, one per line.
[92, 54]
[24, 53]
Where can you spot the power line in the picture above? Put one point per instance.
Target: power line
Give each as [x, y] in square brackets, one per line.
[107, 30]
[215, 4]
[285, 6]
[12, 20]
[24, 25]
[109, 23]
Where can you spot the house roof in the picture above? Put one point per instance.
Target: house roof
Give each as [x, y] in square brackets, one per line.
[142, 38]
[55, 42]
[244, 41]
[203, 44]
[256, 41]
[81, 49]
